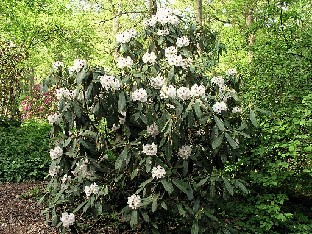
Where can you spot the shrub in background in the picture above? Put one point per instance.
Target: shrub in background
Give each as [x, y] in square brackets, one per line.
[151, 142]
[24, 151]
[39, 104]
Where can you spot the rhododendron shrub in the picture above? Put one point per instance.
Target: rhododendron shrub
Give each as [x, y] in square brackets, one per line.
[151, 141]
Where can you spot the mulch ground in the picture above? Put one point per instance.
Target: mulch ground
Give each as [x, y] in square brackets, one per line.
[19, 215]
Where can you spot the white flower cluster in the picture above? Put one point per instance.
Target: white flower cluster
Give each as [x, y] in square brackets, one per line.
[152, 130]
[236, 109]
[64, 179]
[231, 72]
[139, 95]
[163, 16]
[158, 172]
[168, 91]
[67, 219]
[92, 189]
[82, 168]
[109, 82]
[183, 41]
[185, 151]
[54, 170]
[218, 107]
[134, 201]
[198, 90]
[174, 59]
[124, 62]
[63, 92]
[56, 152]
[150, 149]
[78, 65]
[217, 80]
[163, 32]
[54, 118]
[149, 57]
[184, 93]
[157, 82]
[126, 36]
[57, 64]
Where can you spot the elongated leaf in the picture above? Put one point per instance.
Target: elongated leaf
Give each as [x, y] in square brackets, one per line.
[219, 123]
[181, 210]
[195, 228]
[231, 141]
[241, 186]
[197, 110]
[253, 119]
[121, 102]
[228, 186]
[217, 141]
[167, 185]
[184, 187]
[134, 218]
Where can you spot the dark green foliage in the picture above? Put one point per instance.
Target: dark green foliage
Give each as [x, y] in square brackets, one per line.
[24, 151]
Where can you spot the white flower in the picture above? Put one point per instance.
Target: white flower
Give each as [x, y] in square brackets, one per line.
[166, 15]
[150, 149]
[82, 168]
[115, 127]
[134, 201]
[185, 151]
[53, 171]
[218, 80]
[109, 82]
[175, 60]
[124, 62]
[198, 90]
[78, 65]
[200, 132]
[65, 178]
[149, 57]
[126, 36]
[184, 93]
[56, 152]
[168, 91]
[151, 22]
[92, 189]
[152, 130]
[163, 32]
[219, 106]
[183, 41]
[57, 64]
[54, 118]
[236, 110]
[139, 95]
[171, 50]
[67, 219]
[157, 82]
[231, 72]
[63, 92]
[158, 172]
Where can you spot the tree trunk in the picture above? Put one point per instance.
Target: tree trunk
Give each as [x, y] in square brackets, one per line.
[152, 7]
[199, 15]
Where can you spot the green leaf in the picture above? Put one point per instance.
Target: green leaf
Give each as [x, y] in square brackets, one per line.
[167, 185]
[134, 218]
[121, 102]
[195, 228]
[184, 187]
[241, 186]
[231, 141]
[197, 110]
[201, 182]
[181, 210]
[217, 141]
[228, 186]
[154, 204]
[122, 157]
[164, 205]
[253, 119]
[171, 73]
[219, 123]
